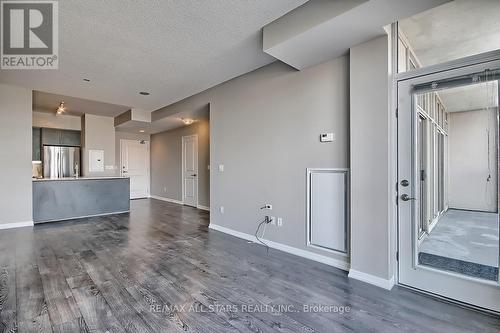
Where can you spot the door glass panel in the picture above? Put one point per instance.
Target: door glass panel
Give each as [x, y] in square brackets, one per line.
[456, 165]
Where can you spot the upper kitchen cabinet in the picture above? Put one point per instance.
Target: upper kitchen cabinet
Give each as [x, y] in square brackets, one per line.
[51, 136]
[57, 137]
[71, 138]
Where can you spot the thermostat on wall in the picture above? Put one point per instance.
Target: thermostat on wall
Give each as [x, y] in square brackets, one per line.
[326, 137]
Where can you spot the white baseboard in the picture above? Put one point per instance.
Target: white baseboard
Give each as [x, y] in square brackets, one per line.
[285, 248]
[16, 225]
[157, 197]
[203, 207]
[372, 279]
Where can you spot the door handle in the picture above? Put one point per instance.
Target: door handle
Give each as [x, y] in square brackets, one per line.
[125, 171]
[406, 197]
[193, 175]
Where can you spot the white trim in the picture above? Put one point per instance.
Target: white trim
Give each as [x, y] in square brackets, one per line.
[285, 248]
[393, 155]
[157, 197]
[203, 207]
[16, 225]
[177, 202]
[198, 166]
[345, 171]
[372, 279]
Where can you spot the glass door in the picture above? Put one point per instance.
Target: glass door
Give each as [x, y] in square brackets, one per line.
[448, 206]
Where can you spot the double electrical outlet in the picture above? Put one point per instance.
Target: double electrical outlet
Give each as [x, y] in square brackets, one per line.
[274, 221]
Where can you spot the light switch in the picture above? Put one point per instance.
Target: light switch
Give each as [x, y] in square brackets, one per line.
[221, 167]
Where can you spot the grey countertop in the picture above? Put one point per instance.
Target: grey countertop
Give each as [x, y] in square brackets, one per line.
[79, 178]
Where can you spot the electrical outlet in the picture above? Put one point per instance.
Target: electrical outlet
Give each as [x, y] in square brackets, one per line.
[280, 221]
[273, 220]
[221, 209]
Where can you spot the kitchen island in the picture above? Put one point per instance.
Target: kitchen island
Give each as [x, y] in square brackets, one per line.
[72, 198]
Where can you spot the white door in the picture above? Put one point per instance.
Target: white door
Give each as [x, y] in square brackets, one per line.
[190, 170]
[135, 165]
[417, 96]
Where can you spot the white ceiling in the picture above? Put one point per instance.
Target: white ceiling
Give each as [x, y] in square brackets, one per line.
[468, 98]
[46, 102]
[454, 30]
[172, 49]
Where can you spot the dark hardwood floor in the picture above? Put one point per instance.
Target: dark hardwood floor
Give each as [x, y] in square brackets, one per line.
[159, 269]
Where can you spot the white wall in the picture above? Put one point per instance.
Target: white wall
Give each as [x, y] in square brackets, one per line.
[15, 152]
[370, 161]
[99, 133]
[52, 120]
[468, 160]
[265, 128]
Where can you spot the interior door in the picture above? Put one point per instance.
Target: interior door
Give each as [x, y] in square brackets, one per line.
[190, 170]
[459, 285]
[135, 165]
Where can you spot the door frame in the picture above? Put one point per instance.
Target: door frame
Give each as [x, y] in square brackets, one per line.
[393, 111]
[184, 137]
[480, 64]
[148, 162]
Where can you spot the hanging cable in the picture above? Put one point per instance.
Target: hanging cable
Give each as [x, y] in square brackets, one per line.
[257, 234]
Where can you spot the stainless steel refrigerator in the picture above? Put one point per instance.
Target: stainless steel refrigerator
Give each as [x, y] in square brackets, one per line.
[60, 162]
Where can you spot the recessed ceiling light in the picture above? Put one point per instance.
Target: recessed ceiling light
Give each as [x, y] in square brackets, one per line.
[86, 80]
[144, 93]
[142, 131]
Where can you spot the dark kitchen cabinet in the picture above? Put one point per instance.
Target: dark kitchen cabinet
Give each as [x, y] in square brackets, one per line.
[71, 138]
[57, 137]
[36, 146]
[50, 136]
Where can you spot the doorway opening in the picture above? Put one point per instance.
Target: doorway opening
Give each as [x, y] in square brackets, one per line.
[448, 205]
[180, 160]
[448, 132]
